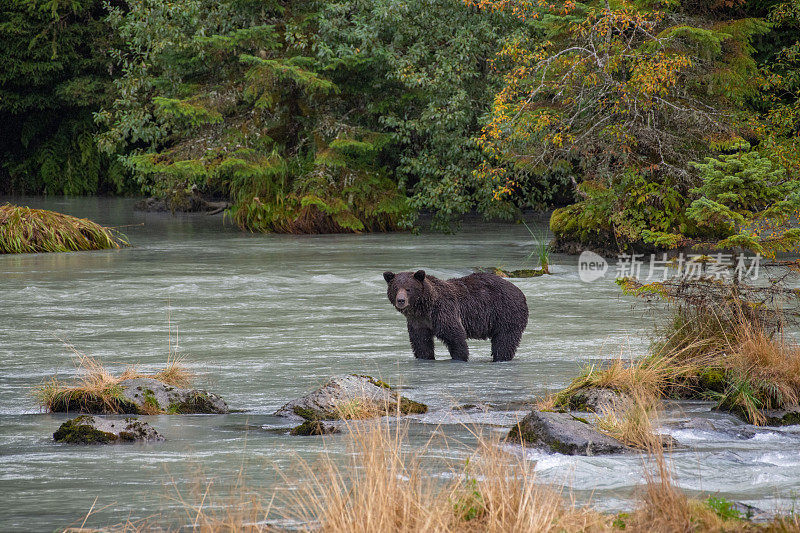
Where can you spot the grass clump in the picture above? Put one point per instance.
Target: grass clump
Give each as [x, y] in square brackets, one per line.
[97, 390]
[384, 488]
[541, 250]
[745, 365]
[740, 362]
[26, 230]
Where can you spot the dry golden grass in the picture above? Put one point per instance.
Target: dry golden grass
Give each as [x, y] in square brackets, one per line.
[664, 508]
[759, 369]
[175, 373]
[632, 421]
[643, 378]
[774, 361]
[384, 488]
[97, 390]
[732, 360]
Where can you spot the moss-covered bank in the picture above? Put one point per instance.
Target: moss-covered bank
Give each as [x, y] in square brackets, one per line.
[26, 230]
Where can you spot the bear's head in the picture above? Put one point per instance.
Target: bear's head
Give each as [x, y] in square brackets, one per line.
[406, 290]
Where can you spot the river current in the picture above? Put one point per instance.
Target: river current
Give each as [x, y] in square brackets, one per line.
[262, 319]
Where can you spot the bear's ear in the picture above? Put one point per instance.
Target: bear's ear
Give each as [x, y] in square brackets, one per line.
[419, 275]
[388, 276]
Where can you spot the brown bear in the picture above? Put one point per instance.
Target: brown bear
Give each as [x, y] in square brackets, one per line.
[477, 306]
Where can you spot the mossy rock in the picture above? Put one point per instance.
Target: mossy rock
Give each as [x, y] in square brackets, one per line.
[308, 413]
[313, 427]
[138, 396]
[521, 273]
[772, 417]
[593, 399]
[712, 380]
[152, 396]
[197, 402]
[87, 429]
[410, 407]
[80, 431]
[352, 396]
[376, 382]
[110, 402]
[563, 433]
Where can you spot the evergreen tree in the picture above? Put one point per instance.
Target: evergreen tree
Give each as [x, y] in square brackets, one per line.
[54, 71]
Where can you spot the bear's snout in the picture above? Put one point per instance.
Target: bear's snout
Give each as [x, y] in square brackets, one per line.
[401, 300]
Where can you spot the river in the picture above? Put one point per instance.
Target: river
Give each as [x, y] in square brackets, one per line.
[262, 319]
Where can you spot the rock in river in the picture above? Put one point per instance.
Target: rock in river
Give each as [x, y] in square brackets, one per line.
[87, 429]
[313, 427]
[788, 416]
[563, 433]
[151, 396]
[598, 400]
[140, 396]
[349, 397]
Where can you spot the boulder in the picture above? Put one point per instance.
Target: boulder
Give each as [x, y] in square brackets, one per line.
[313, 427]
[152, 396]
[597, 400]
[730, 428]
[782, 417]
[563, 433]
[87, 429]
[788, 416]
[349, 397]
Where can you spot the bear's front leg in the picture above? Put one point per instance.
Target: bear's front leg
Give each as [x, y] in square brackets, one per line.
[455, 338]
[421, 341]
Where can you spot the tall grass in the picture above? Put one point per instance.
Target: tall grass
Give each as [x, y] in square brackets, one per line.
[384, 487]
[541, 249]
[728, 357]
[664, 508]
[26, 230]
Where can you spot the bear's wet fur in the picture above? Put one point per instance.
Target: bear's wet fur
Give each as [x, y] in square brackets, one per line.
[478, 306]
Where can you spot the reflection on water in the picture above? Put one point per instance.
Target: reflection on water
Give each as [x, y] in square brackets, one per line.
[264, 318]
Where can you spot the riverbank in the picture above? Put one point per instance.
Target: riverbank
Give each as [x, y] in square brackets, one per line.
[26, 230]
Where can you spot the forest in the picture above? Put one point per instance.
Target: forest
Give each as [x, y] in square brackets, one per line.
[646, 125]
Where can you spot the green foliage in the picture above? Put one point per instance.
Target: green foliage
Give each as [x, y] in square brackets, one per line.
[541, 249]
[54, 69]
[25, 230]
[637, 210]
[723, 508]
[619, 521]
[740, 185]
[216, 96]
[423, 72]
[358, 115]
[469, 503]
[742, 199]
